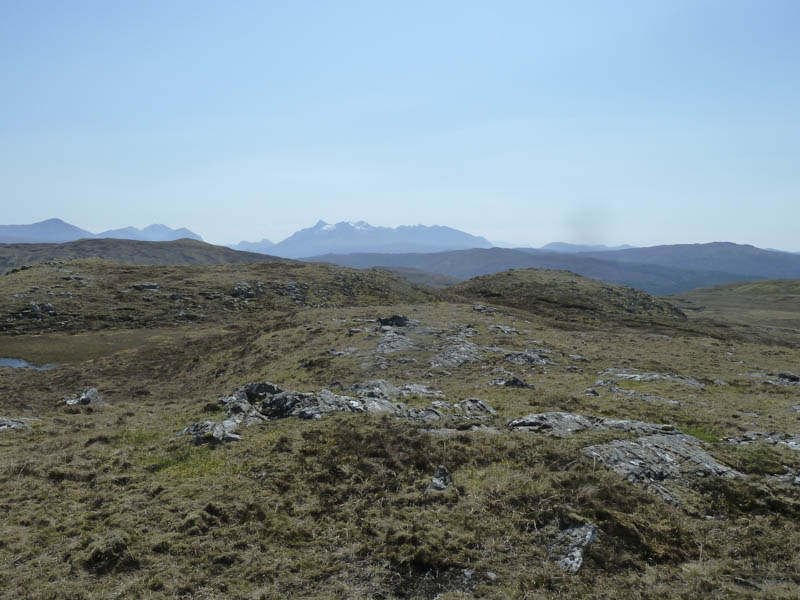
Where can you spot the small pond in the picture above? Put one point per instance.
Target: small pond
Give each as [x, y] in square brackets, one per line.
[18, 363]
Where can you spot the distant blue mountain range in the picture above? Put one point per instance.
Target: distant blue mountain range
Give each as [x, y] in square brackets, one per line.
[58, 231]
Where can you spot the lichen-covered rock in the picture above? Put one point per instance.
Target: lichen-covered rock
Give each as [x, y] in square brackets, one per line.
[570, 544]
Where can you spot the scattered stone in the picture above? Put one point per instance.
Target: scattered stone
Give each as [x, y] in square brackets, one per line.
[782, 379]
[208, 432]
[791, 440]
[8, 424]
[148, 285]
[375, 388]
[509, 382]
[473, 407]
[528, 357]
[394, 321]
[560, 424]
[441, 480]
[590, 392]
[418, 389]
[660, 462]
[504, 329]
[569, 546]
[89, 397]
[484, 309]
[577, 357]
[353, 330]
[795, 408]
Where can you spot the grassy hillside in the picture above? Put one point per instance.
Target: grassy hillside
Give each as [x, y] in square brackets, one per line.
[418, 277]
[565, 295]
[464, 264]
[92, 294]
[180, 252]
[773, 305]
[109, 501]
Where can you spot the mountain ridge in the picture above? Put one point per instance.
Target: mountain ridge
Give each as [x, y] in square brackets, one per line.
[59, 231]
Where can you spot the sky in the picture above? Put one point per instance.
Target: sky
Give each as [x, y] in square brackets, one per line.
[648, 122]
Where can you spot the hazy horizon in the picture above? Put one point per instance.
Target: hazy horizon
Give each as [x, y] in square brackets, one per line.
[585, 122]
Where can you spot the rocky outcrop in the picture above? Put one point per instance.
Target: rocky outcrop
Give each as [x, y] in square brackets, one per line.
[7, 424]
[633, 375]
[560, 424]
[260, 402]
[660, 462]
[458, 352]
[392, 341]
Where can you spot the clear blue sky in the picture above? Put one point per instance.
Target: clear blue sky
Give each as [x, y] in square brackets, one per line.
[643, 122]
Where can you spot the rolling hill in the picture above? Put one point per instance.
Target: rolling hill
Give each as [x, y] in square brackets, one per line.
[180, 252]
[464, 264]
[716, 256]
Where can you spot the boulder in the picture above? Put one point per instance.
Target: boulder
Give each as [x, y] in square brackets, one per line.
[89, 397]
[441, 480]
[7, 424]
[570, 544]
[147, 285]
[394, 321]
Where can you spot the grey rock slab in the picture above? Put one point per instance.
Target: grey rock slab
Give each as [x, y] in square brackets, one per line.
[560, 424]
[7, 424]
[374, 388]
[474, 407]
[633, 375]
[659, 462]
[394, 341]
[569, 546]
[790, 440]
[418, 389]
[146, 285]
[458, 353]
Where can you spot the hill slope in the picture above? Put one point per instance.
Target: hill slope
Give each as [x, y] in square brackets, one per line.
[564, 295]
[180, 252]
[464, 264]
[717, 256]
